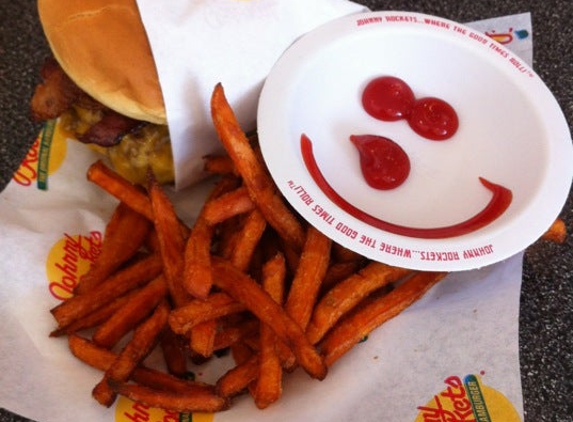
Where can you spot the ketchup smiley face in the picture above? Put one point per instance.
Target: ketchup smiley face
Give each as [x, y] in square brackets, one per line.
[385, 165]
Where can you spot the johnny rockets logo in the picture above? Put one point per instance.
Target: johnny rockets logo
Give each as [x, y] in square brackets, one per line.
[130, 411]
[69, 259]
[508, 36]
[467, 400]
[44, 157]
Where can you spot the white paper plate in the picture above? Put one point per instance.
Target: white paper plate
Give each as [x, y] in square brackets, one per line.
[512, 132]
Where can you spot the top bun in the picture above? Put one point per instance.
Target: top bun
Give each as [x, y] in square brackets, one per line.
[103, 47]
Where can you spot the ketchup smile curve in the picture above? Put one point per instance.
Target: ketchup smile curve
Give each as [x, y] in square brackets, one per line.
[500, 201]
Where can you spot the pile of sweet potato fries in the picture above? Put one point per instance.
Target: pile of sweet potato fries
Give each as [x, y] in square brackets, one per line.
[248, 277]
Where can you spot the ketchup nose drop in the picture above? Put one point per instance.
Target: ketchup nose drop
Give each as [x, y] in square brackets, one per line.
[384, 164]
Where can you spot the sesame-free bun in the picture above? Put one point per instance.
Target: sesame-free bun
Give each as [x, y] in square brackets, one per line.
[103, 47]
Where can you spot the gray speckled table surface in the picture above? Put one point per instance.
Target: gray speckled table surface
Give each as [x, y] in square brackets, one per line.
[546, 312]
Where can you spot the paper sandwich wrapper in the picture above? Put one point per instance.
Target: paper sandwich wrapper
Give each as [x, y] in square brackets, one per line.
[454, 349]
[232, 42]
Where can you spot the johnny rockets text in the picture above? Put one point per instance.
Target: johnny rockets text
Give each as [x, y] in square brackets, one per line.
[449, 26]
[383, 247]
[73, 250]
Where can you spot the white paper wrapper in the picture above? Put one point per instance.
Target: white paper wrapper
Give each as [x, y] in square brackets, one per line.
[466, 325]
[232, 42]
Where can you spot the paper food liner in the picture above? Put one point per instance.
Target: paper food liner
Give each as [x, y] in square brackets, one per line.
[452, 356]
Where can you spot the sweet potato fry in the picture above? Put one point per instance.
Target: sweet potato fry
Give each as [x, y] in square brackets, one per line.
[125, 319]
[311, 269]
[175, 401]
[247, 239]
[160, 380]
[228, 205]
[347, 294]
[197, 276]
[352, 329]
[274, 273]
[203, 338]
[152, 241]
[102, 359]
[291, 254]
[94, 356]
[259, 184]
[120, 188]
[218, 304]
[228, 336]
[97, 317]
[242, 352]
[557, 232]
[124, 236]
[268, 386]
[343, 254]
[145, 337]
[173, 353]
[246, 291]
[133, 196]
[338, 271]
[237, 379]
[171, 241]
[219, 164]
[115, 286]
[226, 237]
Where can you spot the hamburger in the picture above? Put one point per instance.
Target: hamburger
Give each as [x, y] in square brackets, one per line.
[102, 84]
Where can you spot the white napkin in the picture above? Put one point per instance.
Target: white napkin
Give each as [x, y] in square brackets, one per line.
[199, 43]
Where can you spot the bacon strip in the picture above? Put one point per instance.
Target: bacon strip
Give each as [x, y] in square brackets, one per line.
[55, 94]
[110, 129]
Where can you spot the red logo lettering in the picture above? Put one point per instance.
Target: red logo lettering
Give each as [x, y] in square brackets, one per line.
[75, 251]
[27, 172]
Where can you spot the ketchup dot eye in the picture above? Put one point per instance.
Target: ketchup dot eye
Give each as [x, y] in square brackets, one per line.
[388, 98]
[384, 164]
[433, 118]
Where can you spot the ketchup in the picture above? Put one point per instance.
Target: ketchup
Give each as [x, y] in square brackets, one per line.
[384, 163]
[433, 118]
[388, 98]
[500, 201]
